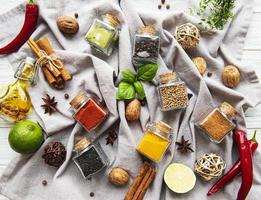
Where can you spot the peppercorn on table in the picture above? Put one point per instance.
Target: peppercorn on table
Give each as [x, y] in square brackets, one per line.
[251, 57]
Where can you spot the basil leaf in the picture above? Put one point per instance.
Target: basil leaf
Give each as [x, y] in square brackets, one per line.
[125, 91]
[147, 72]
[128, 76]
[139, 89]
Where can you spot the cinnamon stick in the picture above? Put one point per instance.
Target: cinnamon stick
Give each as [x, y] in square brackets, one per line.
[45, 45]
[36, 49]
[145, 185]
[48, 75]
[137, 181]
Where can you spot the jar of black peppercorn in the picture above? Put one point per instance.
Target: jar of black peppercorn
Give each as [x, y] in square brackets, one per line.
[90, 157]
[146, 46]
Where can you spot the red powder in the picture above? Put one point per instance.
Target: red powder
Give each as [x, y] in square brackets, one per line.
[91, 115]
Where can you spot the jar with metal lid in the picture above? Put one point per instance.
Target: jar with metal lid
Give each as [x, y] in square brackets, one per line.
[146, 46]
[172, 92]
[155, 141]
[89, 157]
[103, 34]
[87, 111]
[27, 70]
[217, 123]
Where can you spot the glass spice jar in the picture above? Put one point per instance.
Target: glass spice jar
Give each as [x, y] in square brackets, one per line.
[15, 101]
[218, 123]
[88, 112]
[27, 70]
[155, 141]
[103, 34]
[172, 92]
[146, 46]
[90, 157]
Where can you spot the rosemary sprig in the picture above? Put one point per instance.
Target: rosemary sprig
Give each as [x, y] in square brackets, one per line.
[216, 13]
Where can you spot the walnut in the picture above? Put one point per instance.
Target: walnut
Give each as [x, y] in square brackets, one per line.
[231, 76]
[133, 110]
[67, 24]
[119, 176]
[201, 64]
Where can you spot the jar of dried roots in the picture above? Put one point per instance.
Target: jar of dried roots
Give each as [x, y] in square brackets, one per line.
[172, 92]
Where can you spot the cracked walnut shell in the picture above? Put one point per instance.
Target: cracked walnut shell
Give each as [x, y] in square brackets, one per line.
[119, 176]
[231, 76]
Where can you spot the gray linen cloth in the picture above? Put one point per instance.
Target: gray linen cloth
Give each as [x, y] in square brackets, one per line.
[22, 179]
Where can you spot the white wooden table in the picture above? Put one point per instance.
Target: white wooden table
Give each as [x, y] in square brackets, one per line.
[251, 56]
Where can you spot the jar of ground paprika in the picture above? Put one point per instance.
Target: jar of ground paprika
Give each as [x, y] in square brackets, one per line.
[87, 111]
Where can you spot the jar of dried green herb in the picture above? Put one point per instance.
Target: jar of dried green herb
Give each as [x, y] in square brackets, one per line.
[172, 92]
[146, 46]
[90, 157]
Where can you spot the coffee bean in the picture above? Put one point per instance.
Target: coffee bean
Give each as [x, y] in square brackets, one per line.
[44, 182]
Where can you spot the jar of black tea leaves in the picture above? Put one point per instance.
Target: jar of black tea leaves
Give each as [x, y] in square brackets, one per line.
[146, 46]
[89, 158]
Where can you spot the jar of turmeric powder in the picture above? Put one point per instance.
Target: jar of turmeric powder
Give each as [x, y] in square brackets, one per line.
[155, 141]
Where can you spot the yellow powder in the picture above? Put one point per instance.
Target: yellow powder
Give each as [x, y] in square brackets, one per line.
[152, 146]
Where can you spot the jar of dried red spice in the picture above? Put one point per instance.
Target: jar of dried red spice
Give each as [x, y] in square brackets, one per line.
[88, 112]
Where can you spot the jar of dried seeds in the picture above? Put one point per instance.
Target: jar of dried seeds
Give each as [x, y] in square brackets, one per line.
[172, 92]
[146, 46]
[89, 157]
[218, 123]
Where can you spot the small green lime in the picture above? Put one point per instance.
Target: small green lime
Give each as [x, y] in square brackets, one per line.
[25, 137]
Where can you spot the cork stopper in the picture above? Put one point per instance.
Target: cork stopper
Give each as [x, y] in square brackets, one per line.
[228, 110]
[166, 77]
[112, 19]
[147, 29]
[82, 144]
[77, 101]
[164, 128]
[30, 60]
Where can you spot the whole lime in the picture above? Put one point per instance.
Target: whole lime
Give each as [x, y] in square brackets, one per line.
[25, 137]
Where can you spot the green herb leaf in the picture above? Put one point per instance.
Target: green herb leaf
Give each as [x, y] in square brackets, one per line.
[125, 91]
[147, 72]
[216, 13]
[128, 76]
[139, 89]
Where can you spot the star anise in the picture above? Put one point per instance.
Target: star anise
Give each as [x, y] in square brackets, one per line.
[111, 138]
[49, 105]
[184, 145]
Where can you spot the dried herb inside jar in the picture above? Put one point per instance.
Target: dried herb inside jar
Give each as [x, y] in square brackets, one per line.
[90, 158]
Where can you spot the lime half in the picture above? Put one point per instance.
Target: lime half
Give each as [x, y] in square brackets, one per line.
[179, 178]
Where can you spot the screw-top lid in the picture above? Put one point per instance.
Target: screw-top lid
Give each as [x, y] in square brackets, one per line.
[82, 144]
[166, 77]
[163, 128]
[112, 19]
[77, 101]
[147, 29]
[227, 109]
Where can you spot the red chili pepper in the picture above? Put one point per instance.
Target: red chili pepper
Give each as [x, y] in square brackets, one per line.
[30, 22]
[244, 149]
[234, 171]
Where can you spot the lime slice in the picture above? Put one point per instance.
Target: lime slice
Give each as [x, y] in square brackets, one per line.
[179, 178]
